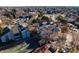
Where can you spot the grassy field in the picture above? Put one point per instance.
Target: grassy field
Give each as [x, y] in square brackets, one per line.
[21, 48]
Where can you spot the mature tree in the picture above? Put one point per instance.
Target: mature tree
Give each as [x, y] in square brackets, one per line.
[44, 18]
[13, 13]
[10, 14]
[62, 19]
[40, 13]
[34, 21]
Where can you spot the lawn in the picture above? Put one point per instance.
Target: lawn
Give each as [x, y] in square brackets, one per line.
[21, 48]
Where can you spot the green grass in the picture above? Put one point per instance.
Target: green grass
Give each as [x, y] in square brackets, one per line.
[16, 49]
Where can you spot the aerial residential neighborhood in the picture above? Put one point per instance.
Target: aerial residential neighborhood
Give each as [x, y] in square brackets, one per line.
[39, 29]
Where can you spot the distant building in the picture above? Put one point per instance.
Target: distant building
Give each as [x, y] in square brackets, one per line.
[71, 20]
[24, 17]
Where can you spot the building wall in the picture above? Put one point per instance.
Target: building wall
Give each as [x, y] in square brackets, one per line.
[6, 36]
[25, 34]
[11, 35]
